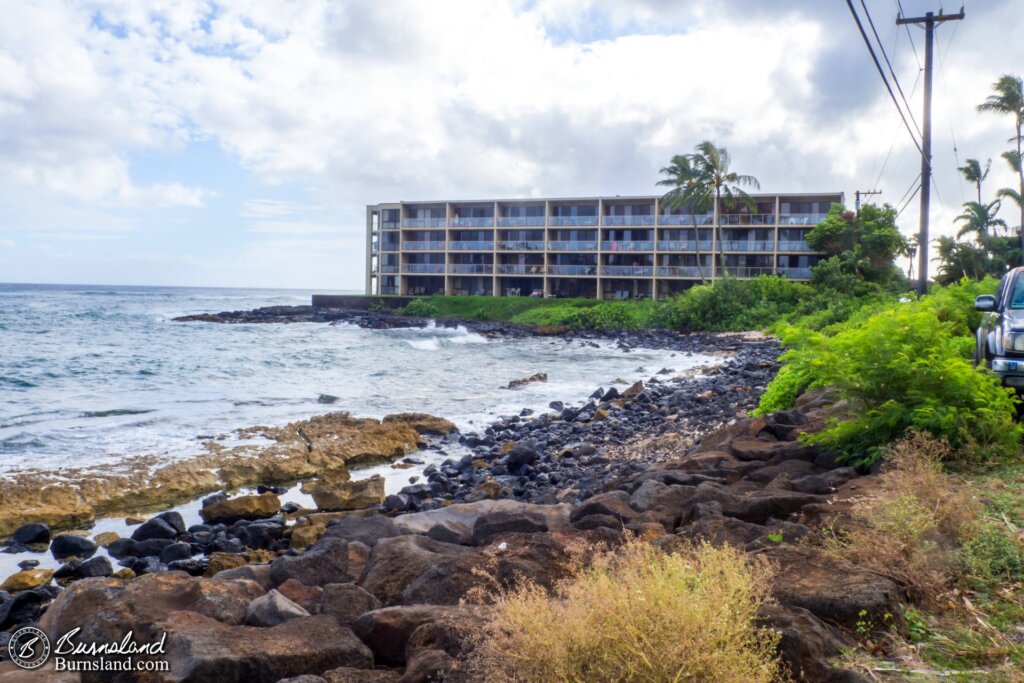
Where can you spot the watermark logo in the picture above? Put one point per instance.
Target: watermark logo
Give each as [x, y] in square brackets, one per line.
[29, 648]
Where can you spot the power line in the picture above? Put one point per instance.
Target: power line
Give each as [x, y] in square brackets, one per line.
[888, 63]
[917, 188]
[895, 137]
[867, 42]
[899, 6]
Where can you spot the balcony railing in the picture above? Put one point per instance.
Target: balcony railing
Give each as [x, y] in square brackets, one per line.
[433, 268]
[802, 218]
[685, 219]
[731, 245]
[685, 245]
[564, 245]
[521, 221]
[794, 245]
[574, 220]
[486, 222]
[418, 245]
[389, 269]
[748, 219]
[745, 271]
[390, 225]
[572, 270]
[614, 245]
[522, 245]
[520, 269]
[628, 220]
[478, 268]
[471, 246]
[682, 271]
[389, 246]
[635, 271]
[423, 222]
[796, 273]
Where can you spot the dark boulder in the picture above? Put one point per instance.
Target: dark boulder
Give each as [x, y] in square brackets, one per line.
[32, 534]
[70, 545]
[366, 530]
[322, 563]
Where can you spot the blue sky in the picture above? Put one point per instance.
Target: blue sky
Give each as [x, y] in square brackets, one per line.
[190, 143]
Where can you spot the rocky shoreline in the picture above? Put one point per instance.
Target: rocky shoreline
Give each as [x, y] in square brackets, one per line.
[369, 587]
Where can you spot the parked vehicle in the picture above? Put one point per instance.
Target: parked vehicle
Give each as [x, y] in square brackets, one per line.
[1000, 337]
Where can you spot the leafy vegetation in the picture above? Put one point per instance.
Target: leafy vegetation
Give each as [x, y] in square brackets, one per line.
[863, 247]
[637, 614]
[903, 365]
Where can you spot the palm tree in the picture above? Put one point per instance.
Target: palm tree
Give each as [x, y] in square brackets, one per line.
[714, 179]
[973, 172]
[979, 219]
[1009, 99]
[681, 177]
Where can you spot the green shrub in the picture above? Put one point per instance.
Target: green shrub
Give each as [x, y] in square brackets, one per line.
[423, 308]
[901, 366]
[993, 557]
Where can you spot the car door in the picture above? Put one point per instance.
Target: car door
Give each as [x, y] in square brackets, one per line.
[990, 321]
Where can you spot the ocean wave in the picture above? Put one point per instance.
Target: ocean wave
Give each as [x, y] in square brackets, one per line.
[15, 382]
[116, 412]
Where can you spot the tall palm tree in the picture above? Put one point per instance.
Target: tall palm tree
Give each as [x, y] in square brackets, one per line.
[714, 179]
[681, 177]
[1009, 99]
[973, 172]
[979, 219]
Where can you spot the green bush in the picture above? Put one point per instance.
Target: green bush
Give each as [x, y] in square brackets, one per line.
[993, 557]
[423, 308]
[906, 365]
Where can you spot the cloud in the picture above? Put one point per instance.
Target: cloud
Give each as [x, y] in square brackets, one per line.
[302, 228]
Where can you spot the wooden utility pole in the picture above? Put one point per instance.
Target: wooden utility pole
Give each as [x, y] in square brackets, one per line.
[928, 22]
[863, 193]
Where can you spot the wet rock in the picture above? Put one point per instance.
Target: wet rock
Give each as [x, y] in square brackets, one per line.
[27, 579]
[257, 573]
[346, 602]
[366, 530]
[70, 545]
[202, 649]
[28, 564]
[175, 552]
[422, 423]
[323, 563]
[538, 377]
[151, 548]
[272, 609]
[93, 567]
[106, 538]
[23, 607]
[32, 534]
[326, 399]
[242, 507]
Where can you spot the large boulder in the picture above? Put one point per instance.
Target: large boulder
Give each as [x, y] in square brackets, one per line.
[242, 507]
[493, 524]
[272, 609]
[613, 504]
[422, 423]
[203, 649]
[807, 645]
[366, 530]
[70, 545]
[346, 495]
[555, 516]
[26, 580]
[347, 674]
[758, 506]
[257, 573]
[395, 563]
[323, 563]
[107, 608]
[154, 528]
[346, 602]
[386, 631]
[32, 534]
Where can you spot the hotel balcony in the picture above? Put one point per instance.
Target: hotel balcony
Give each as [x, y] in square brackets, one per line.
[564, 245]
[796, 273]
[471, 246]
[580, 271]
[521, 245]
[471, 268]
[729, 245]
[423, 222]
[627, 220]
[686, 219]
[486, 222]
[418, 245]
[747, 219]
[795, 246]
[430, 268]
[802, 218]
[574, 221]
[627, 246]
[682, 271]
[675, 245]
[628, 271]
[388, 269]
[522, 222]
[745, 271]
[520, 269]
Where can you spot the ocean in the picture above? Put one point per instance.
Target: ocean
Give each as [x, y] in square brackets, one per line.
[92, 375]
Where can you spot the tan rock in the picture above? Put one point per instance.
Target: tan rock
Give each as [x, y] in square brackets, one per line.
[353, 495]
[422, 423]
[539, 377]
[600, 414]
[242, 507]
[305, 536]
[633, 390]
[27, 579]
[221, 561]
[490, 488]
[106, 538]
[124, 573]
[134, 520]
[507, 446]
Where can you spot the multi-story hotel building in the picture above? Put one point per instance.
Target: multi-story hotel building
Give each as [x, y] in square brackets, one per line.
[606, 247]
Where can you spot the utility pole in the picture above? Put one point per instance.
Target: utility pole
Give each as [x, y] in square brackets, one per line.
[863, 193]
[928, 21]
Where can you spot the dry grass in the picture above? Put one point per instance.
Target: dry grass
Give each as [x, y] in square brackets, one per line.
[636, 614]
[912, 530]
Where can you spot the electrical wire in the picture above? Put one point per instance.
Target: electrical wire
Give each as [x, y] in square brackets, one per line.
[888, 63]
[874, 57]
[899, 6]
